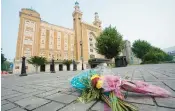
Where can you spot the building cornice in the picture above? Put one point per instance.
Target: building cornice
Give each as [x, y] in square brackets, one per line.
[56, 27]
[91, 27]
[29, 15]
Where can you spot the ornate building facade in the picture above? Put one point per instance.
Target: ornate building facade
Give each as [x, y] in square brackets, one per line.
[40, 38]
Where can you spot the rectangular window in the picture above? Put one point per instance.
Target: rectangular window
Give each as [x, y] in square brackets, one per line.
[65, 55]
[29, 29]
[28, 41]
[58, 40]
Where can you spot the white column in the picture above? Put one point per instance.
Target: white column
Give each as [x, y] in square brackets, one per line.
[39, 69]
[47, 68]
[31, 68]
[56, 67]
[71, 67]
[84, 65]
[64, 67]
[79, 66]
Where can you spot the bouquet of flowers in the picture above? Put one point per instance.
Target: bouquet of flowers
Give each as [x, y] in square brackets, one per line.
[97, 85]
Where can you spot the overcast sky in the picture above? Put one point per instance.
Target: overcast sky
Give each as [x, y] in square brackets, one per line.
[151, 20]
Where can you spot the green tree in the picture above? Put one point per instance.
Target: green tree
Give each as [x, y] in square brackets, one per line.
[153, 57]
[156, 49]
[37, 61]
[109, 43]
[3, 59]
[140, 48]
[5, 66]
[168, 57]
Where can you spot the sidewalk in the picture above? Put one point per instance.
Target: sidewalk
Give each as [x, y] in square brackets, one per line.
[52, 92]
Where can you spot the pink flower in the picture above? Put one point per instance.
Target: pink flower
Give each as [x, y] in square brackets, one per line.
[112, 83]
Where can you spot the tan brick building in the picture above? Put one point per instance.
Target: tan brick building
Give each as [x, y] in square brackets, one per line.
[40, 38]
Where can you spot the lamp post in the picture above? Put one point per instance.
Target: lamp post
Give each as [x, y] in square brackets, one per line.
[23, 68]
[73, 62]
[52, 66]
[81, 44]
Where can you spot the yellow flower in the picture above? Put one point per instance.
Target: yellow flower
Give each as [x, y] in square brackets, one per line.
[99, 84]
[94, 76]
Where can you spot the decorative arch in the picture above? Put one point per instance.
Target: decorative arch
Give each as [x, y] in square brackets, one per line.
[91, 33]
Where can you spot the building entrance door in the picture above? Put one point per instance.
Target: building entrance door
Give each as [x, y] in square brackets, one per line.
[60, 67]
[42, 68]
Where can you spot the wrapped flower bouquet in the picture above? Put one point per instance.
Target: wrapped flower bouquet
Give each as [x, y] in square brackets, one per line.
[102, 84]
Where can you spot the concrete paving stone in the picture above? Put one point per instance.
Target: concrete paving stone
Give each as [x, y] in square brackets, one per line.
[63, 98]
[171, 84]
[7, 92]
[45, 94]
[166, 102]
[65, 92]
[53, 106]
[76, 93]
[164, 109]
[159, 75]
[27, 90]
[7, 107]
[139, 79]
[64, 89]
[172, 75]
[99, 106]
[17, 88]
[4, 87]
[77, 106]
[167, 79]
[32, 86]
[17, 98]
[71, 89]
[46, 88]
[17, 109]
[32, 102]
[142, 107]
[47, 85]
[10, 96]
[4, 102]
[149, 78]
[139, 98]
[52, 85]
[65, 86]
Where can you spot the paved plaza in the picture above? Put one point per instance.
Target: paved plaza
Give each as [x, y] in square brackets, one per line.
[52, 91]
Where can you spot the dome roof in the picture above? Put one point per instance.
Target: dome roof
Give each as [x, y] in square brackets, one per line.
[76, 3]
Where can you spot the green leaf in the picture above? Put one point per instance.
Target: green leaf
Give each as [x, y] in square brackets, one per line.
[37, 61]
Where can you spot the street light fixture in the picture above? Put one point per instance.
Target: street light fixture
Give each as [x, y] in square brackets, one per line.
[81, 43]
[23, 68]
[52, 65]
[73, 62]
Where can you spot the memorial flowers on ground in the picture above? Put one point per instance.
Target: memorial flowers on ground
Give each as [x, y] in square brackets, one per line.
[95, 85]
